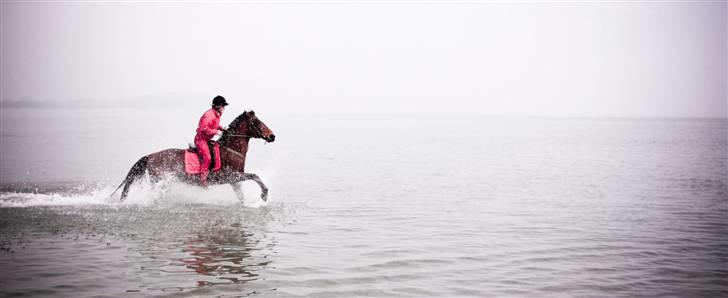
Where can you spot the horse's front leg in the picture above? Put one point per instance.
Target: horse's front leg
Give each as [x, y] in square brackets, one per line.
[237, 188]
[254, 177]
[263, 188]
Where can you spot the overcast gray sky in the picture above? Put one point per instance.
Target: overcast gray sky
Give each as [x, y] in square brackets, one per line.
[607, 58]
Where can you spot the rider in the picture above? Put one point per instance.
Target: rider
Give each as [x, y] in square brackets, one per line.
[209, 127]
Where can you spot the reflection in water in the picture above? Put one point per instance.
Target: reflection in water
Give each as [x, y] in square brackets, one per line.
[146, 250]
[191, 250]
[224, 253]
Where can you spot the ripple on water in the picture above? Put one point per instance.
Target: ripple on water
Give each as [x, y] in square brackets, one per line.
[525, 208]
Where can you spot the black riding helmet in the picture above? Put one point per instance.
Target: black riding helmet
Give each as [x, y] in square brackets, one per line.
[219, 101]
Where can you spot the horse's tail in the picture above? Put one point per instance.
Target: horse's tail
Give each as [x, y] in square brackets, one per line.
[136, 171]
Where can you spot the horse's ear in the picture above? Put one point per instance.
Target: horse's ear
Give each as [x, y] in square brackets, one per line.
[252, 112]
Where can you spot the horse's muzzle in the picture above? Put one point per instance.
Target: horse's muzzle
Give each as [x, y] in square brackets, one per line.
[271, 138]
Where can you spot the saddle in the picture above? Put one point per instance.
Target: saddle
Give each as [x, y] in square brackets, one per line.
[193, 158]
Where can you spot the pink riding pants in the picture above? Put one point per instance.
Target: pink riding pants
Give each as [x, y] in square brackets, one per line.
[204, 152]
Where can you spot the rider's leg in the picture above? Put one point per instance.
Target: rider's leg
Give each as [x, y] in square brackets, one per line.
[204, 152]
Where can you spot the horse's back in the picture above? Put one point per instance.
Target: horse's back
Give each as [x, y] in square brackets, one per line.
[167, 160]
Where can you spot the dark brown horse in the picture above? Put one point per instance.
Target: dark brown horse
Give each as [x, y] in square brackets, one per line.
[233, 149]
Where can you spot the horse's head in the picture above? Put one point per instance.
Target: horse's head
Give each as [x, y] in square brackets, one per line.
[248, 125]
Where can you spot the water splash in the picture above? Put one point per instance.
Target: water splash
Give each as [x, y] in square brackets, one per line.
[166, 193]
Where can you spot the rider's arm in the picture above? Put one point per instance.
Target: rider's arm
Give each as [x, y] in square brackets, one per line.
[205, 125]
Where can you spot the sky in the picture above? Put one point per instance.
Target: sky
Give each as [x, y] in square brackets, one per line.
[582, 59]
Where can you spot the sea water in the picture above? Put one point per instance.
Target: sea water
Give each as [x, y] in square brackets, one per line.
[369, 205]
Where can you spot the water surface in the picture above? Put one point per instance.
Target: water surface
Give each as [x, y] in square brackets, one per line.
[381, 206]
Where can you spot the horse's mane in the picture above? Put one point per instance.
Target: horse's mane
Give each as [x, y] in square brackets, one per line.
[236, 122]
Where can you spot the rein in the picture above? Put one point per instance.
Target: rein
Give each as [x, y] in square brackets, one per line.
[240, 136]
[233, 151]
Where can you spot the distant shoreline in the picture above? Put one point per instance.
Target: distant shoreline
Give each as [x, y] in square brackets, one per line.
[89, 104]
[182, 104]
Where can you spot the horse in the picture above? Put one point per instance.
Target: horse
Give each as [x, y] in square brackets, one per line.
[233, 150]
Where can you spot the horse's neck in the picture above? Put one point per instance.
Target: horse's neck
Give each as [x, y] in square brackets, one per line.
[238, 144]
[236, 158]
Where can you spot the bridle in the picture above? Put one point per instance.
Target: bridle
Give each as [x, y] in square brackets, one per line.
[254, 127]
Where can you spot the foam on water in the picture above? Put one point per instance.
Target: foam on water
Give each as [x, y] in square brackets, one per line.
[168, 192]
[19, 199]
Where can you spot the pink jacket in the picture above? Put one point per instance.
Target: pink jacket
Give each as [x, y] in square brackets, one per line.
[209, 125]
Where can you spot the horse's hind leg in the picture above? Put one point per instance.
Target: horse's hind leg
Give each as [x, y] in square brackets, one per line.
[159, 184]
[154, 174]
